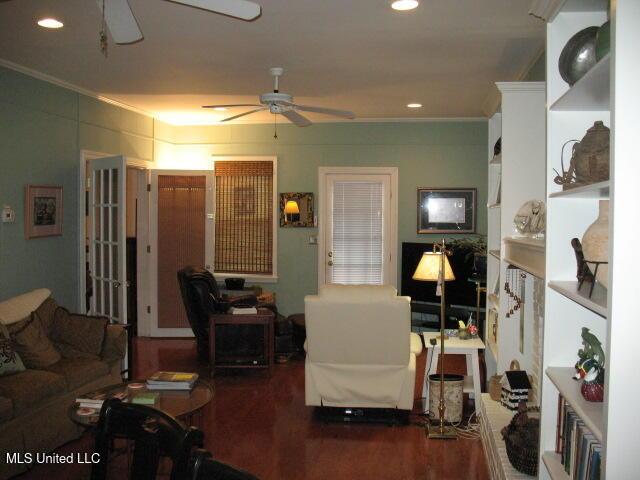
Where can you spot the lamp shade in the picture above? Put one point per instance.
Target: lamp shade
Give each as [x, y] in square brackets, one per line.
[291, 207]
[429, 267]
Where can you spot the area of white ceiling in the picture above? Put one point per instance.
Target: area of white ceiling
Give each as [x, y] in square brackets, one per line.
[358, 55]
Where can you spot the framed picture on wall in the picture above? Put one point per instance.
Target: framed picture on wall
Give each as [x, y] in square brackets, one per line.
[43, 211]
[447, 210]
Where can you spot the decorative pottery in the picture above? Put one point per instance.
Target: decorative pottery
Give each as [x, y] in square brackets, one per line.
[578, 55]
[531, 218]
[592, 391]
[589, 160]
[603, 41]
[595, 243]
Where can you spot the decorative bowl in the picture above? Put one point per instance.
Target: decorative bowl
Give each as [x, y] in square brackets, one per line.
[578, 55]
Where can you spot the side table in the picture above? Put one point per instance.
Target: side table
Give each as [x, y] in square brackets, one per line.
[453, 345]
[241, 341]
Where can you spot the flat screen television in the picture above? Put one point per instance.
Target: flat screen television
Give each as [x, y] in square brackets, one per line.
[460, 291]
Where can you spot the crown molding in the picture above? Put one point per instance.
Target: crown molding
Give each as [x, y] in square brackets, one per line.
[70, 86]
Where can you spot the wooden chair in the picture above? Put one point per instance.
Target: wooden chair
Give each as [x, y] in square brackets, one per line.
[154, 435]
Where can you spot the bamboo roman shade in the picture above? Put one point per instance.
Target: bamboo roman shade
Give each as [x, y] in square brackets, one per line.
[358, 232]
[244, 217]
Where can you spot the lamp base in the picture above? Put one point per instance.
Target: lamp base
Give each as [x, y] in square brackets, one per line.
[446, 433]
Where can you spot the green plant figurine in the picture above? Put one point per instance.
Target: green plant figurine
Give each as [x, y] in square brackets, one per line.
[590, 367]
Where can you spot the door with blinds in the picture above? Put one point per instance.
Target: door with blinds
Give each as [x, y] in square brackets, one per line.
[182, 229]
[358, 226]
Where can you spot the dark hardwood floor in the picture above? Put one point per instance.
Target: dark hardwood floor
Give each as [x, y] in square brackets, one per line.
[262, 425]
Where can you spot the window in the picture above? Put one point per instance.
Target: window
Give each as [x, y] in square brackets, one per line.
[244, 225]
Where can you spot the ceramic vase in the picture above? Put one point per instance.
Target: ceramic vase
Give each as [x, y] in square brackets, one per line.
[595, 243]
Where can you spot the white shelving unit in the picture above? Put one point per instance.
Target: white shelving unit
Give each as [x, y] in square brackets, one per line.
[609, 92]
[521, 175]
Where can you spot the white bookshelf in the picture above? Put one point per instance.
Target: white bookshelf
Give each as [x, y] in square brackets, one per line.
[521, 174]
[608, 92]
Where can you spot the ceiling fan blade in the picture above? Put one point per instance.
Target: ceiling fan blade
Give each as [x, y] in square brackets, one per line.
[242, 9]
[231, 106]
[296, 118]
[120, 20]
[243, 114]
[326, 111]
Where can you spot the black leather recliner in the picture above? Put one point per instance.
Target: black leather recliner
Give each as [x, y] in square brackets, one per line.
[201, 297]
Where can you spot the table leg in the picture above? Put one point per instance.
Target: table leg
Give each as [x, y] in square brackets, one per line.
[476, 380]
[433, 368]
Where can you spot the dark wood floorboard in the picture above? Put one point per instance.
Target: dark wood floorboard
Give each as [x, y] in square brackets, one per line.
[262, 425]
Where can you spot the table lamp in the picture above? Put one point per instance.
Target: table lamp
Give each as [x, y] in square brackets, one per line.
[435, 267]
[290, 209]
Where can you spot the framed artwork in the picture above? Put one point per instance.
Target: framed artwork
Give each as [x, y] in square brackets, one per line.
[447, 210]
[43, 211]
[296, 209]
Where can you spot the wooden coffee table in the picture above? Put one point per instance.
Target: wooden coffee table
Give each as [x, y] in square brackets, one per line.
[182, 405]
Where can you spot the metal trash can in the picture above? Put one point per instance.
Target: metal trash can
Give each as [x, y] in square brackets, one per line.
[452, 396]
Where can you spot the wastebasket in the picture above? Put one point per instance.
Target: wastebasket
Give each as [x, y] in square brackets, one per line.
[452, 396]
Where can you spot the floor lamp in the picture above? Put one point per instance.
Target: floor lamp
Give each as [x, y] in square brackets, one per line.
[435, 267]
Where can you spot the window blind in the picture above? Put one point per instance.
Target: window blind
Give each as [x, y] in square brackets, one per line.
[244, 217]
[358, 234]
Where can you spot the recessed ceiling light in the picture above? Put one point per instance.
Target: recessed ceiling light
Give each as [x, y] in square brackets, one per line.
[220, 109]
[414, 105]
[404, 5]
[50, 23]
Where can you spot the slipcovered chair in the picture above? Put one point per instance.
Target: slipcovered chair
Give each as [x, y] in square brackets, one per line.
[360, 349]
[201, 297]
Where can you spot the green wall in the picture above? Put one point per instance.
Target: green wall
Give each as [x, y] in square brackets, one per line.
[427, 154]
[43, 127]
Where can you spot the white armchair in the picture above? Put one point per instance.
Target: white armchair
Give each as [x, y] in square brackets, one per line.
[360, 349]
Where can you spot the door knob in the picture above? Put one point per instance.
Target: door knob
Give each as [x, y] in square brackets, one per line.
[330, 263]
[330, 254]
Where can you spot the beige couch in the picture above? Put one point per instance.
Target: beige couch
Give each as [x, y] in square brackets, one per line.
[360, 349]
[34, 403]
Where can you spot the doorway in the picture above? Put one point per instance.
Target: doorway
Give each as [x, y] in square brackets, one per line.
[357, 235]
[182, 233]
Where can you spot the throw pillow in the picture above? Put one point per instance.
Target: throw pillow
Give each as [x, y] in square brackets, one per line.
[77, 336]
[10, 361]
[33, 345]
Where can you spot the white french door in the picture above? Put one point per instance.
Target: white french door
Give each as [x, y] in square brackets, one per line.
[358, 226]
[107, 246]
[181, 234]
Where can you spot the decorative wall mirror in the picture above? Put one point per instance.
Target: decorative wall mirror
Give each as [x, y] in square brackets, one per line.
[296, 209]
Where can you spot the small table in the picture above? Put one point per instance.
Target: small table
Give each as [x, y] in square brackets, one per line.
[246, 346]
[453, 345]
[182, 405]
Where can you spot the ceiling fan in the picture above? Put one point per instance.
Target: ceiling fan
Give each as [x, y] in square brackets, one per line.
[122, 24]
[282, 103]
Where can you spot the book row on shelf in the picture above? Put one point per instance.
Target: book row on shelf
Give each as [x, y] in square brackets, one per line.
[579, 450]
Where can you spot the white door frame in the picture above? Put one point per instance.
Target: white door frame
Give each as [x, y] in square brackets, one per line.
[323, 172]
[152, 325]
[85, 156]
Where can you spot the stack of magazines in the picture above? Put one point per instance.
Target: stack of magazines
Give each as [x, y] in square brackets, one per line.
[172, 381]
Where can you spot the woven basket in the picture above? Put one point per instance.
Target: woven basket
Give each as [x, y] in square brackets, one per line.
[495, 388]
[524, 460]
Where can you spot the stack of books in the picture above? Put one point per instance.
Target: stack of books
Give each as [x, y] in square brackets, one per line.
[172, 381]
[579, 449]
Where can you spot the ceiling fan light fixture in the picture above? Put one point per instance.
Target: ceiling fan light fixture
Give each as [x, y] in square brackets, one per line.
[50, 23]
[404, 5]
[414, 105]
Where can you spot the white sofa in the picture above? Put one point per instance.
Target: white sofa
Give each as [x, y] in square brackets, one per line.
[360, 349]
